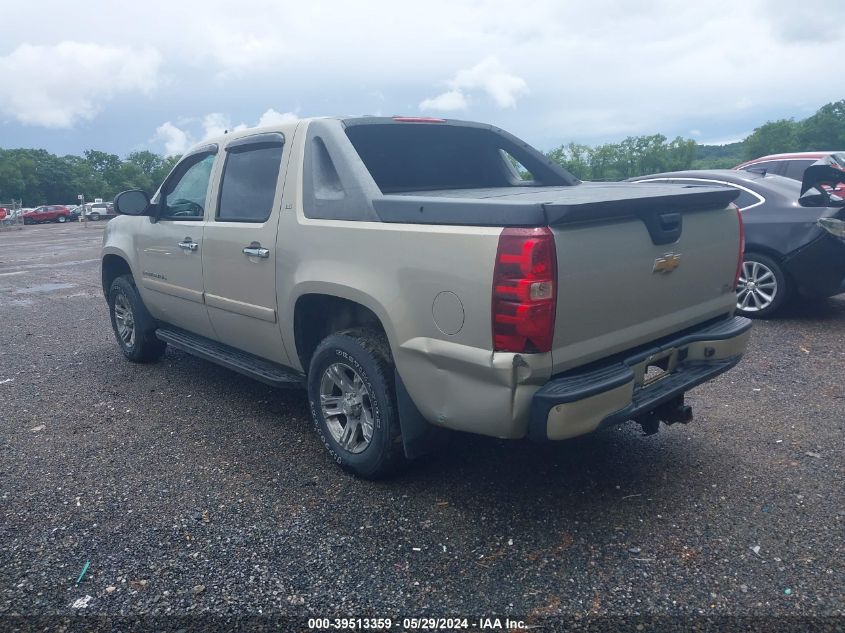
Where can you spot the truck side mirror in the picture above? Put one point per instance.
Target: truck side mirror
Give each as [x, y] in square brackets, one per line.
[132, 202]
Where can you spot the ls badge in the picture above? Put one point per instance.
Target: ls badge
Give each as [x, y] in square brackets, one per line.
[667, 263]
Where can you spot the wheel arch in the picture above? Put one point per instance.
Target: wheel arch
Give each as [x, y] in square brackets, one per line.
[319, 314]
[112, 266]
[316, 315]
[754, 247]
[779, 258]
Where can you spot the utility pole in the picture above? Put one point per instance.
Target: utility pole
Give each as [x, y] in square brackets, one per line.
[84, 217]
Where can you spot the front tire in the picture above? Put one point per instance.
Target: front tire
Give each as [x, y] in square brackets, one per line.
[133, 326]
[763, 287]
[61, 219]
[353, 402]
[95, 216]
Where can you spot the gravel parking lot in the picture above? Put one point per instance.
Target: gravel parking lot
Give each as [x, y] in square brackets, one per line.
[191, 489]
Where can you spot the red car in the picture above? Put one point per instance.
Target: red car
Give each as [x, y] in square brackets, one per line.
[793, 165]
[47, 213]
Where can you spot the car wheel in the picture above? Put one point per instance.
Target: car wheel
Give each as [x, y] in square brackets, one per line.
[353, 402]
[134, 327]
[762, 287]
[61, 219]
[94, 216]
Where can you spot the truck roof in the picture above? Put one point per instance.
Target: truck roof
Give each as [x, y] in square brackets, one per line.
[347, 120]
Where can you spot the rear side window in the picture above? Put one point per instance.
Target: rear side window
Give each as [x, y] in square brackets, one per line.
[248, 186]
[746, 199]
[411, 157]
[795, 169]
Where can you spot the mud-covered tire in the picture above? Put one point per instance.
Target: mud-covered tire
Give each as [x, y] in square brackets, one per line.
[143, 347]
[367, 354]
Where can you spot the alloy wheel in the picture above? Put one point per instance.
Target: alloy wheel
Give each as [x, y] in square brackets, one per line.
[757, 287]
[124, 319]
[347, 407]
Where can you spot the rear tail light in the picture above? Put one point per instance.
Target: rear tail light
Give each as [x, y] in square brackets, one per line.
[524, 280]
[741, 257]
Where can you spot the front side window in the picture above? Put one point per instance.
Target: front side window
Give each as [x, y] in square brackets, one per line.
[248, 186]
[185, 194]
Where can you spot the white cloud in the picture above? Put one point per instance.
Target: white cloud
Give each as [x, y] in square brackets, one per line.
[57, 85]
[176, 140]
[217, 124]
[447, 101]
[489, 76]
[795, 23]
[597, 71]
[272, 117]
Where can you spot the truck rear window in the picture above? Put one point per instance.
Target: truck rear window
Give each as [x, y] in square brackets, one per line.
[405, 157]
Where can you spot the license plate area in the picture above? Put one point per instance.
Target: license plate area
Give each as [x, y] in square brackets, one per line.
[653, 373]
[656, 368]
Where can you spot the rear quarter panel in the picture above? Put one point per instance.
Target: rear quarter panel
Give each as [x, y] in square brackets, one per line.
[397, 271]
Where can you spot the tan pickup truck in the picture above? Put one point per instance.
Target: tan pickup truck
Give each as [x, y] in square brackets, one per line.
[420, 274]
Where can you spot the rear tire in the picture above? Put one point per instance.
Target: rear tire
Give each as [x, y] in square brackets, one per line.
[353, 402]
[61, 219]
[763, 287]
[95, 216]
[133, 326]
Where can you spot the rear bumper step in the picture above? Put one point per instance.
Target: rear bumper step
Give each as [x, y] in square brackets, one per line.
[580, 402]
[242, 362]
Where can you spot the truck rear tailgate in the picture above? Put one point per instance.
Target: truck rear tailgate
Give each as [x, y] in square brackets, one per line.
[642, 267]
[636, 261]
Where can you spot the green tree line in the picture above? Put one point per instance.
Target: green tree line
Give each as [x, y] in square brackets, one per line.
[36, 176]
[639, 155]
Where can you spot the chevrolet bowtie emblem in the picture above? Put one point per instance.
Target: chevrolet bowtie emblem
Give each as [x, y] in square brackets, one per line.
[667, 263]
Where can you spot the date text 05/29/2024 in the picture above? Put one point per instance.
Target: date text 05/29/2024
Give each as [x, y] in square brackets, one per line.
[423, 624]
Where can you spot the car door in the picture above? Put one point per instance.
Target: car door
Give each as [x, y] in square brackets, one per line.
[239, 255]
[170, 247]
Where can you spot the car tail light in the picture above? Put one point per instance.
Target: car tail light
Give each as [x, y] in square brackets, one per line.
[524, 280]
[741, 246]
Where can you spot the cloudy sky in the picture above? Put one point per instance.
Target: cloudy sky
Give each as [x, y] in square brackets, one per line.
[162, 75]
